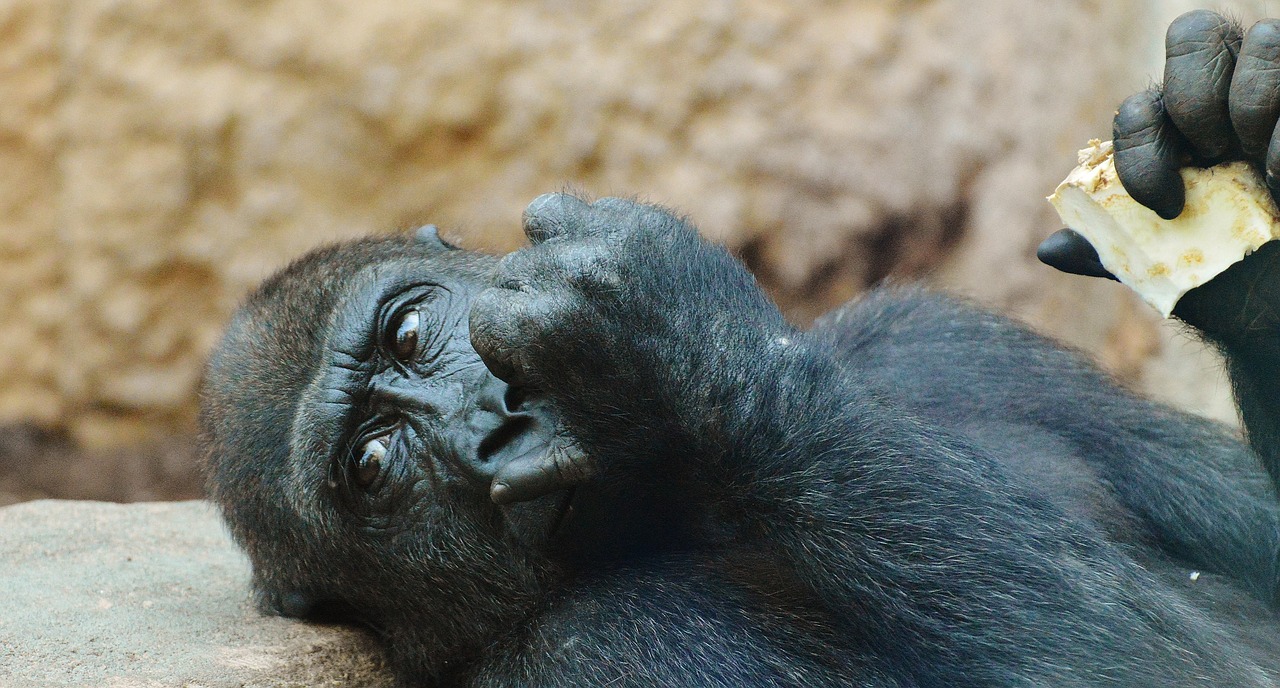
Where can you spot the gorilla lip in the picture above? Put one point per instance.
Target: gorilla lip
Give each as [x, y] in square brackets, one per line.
[539, 522]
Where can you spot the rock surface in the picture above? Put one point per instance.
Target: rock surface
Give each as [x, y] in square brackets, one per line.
[162, 156]
[147, 596]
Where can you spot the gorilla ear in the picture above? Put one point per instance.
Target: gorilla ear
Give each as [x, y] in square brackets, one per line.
[429, 235]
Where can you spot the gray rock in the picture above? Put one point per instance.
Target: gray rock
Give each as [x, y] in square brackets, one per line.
[150, 595]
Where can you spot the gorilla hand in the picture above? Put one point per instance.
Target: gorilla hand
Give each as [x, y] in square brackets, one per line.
[1220, 101]
[621, 315]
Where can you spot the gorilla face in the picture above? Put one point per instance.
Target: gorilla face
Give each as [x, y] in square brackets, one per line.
[352, 434]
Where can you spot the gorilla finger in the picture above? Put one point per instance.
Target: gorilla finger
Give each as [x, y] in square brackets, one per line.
[541, 473]
[1200, 55]
[509, 328]
[1255, 89]
[618, 206]
[498, 334]
[588, 264]
[1068, 251]
[519, 270]
[1271, 166]
[621, 215]
[553, 214]
[1148, 153]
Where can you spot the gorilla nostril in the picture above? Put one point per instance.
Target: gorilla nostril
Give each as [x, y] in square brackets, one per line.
[501, 438]
[514, 398]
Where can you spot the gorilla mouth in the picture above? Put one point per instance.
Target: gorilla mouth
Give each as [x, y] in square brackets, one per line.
[527, 430]
[539, 522]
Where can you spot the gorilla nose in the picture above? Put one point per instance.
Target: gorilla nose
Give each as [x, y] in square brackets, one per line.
[499, 398]
[507, 423]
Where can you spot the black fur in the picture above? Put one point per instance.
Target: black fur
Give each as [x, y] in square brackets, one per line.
[607, 460]
[913, 493]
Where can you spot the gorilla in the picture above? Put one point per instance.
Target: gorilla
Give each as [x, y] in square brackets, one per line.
[607, 460]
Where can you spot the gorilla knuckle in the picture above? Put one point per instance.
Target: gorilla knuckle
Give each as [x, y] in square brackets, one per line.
[488, 302]
[615, 204]
[589, 266]
[489, 320]
[1264, 37]
[631, 221]
[516, 270]
[1199, 30]
[1138, 119]
[502, 320]
[552, 215]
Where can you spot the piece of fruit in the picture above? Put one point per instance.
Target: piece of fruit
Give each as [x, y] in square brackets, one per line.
[1228, 214]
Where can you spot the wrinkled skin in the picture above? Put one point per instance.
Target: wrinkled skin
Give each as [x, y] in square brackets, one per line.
[606, 459]
[302, 381]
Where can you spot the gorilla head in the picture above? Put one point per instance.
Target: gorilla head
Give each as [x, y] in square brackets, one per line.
[351, 433]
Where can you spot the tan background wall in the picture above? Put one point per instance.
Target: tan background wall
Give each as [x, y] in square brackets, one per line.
[159, 157]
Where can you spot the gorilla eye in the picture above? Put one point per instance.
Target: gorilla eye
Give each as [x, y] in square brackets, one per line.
[369, 464]
[405, 342]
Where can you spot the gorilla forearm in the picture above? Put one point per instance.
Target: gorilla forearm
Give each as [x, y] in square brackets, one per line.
[1255, 379]
[1239, 313]
[864, 505]
[855, 503]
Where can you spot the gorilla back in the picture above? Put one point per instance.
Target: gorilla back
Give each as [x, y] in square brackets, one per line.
[606, 459]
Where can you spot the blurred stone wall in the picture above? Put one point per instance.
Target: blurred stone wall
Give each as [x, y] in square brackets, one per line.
[159, 157]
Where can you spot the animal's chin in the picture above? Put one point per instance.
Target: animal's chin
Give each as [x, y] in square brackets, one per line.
[538, 522]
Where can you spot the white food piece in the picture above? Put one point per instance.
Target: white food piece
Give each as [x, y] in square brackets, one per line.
[1228, 215]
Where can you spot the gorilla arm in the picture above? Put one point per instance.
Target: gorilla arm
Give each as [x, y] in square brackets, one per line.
[1220, 101]
[669, 365]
